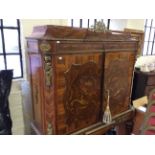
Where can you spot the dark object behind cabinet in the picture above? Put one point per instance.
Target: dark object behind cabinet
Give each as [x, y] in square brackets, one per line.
[5, 86]
[70, 70]
[143, 83]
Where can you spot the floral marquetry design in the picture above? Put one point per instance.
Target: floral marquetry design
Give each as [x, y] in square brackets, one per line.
[116, 79]
[82, 92]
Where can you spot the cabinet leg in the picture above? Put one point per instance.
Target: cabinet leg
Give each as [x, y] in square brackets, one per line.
[129, 127]
[124, 128]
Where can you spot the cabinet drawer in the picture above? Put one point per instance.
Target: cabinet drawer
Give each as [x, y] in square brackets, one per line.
[151, 80]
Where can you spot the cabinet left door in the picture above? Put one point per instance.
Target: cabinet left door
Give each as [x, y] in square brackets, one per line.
[77, 91]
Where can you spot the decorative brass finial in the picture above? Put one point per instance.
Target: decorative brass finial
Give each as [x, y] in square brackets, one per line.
[98, 27]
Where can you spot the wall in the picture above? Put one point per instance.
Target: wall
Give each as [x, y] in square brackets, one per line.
[135, 24]
[28, 24]
[16, 101]
[118, 24]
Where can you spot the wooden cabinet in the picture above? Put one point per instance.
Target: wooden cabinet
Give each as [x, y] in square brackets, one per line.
[70, 71]
[143, 83]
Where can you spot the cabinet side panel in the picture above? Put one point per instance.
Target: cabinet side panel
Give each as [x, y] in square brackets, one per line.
[37, 91]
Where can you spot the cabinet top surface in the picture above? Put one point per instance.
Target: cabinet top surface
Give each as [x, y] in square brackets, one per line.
[53, 32]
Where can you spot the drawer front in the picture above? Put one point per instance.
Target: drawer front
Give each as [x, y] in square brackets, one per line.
[151, 80]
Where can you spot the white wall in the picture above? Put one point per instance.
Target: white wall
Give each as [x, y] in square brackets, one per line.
[28, 24]
[120, 24]
[135, 24]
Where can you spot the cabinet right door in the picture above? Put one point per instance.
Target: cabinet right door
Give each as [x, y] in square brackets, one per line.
[118, 73]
